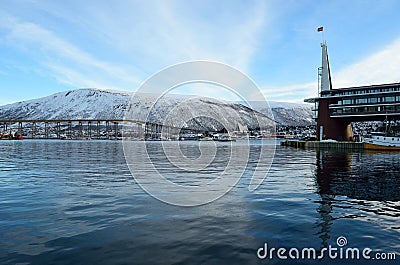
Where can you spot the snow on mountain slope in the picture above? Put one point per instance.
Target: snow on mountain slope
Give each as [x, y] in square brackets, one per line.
[289, 114]
[186, 111]
[75, 104]
[107, 104]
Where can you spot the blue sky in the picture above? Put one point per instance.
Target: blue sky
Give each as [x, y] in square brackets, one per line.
[52, 46]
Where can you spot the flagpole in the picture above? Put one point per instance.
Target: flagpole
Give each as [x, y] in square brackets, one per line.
[321, 29]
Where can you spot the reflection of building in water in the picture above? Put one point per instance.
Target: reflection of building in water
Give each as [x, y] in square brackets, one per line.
[326, 162]
[359, 176]
[366, 176]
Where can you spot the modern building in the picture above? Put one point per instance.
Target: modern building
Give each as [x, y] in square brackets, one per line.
[335, 109]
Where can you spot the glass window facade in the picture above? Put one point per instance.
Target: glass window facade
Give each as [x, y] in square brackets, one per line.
[372, 100]
[388, 99]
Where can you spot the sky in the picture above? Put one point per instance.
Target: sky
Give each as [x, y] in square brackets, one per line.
[52, 46]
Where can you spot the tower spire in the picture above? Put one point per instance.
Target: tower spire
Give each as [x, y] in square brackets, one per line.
[325, 70]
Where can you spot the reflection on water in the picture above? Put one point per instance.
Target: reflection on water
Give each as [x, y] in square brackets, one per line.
[364, 176]
[75, 202]
[369, 181]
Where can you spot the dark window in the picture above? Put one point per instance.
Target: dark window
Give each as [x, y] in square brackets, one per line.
[389, 108]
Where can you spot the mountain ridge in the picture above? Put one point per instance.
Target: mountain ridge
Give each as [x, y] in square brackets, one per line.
[93, 103]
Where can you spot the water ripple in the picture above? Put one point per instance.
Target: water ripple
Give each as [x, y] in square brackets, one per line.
[74, 202]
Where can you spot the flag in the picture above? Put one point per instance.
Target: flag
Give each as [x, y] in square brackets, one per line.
[320, 29]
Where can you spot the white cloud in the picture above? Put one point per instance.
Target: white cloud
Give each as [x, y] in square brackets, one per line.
[141, 40]
[179, 32]
[62, 57]
[292, 93]
[380, 67]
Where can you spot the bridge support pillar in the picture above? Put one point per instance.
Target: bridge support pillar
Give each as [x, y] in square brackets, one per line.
[58, 130]
[89, 129]
[98, 129]
[116, 130]
[107, 129]
[46, 130]
[33, 130]
[145, 133]
[69, 130]
[80, 132]
[20, 128]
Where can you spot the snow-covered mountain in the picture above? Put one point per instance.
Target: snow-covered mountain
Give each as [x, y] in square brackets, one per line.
[176, 110]
[74, 104]
[284, 113]
[288, 114]
[107, 104]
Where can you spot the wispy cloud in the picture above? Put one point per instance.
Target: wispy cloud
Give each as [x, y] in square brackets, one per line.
[222, 37]
[292, 93]
[119, 44]
[144, 39]
[380, 67]
[64, 60]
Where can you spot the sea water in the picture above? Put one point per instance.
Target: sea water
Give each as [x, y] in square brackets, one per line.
[76, 202]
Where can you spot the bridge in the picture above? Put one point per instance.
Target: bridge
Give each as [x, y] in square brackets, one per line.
[335, 109]
[90, 129]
